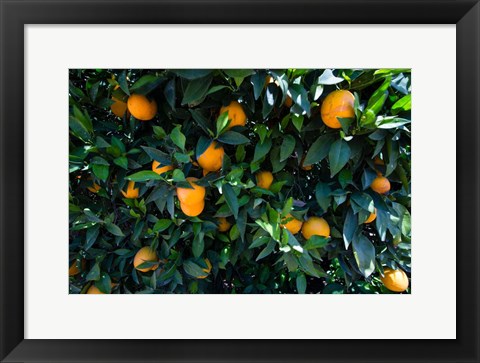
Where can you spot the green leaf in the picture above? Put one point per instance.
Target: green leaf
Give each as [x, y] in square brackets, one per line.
[258, 81]
[297, 121]
[122, 162]
[94, 273]
[288, 145]
[403, 104]
[345, 178]
[364, 253]
[178, 176]
[259, 241]
[322, 195]
[349, 227]
[267, 250]
[301, 283]
[114, 229]
[215, 89]
[91, 216]
[327, 78]
[338, 156]
[169, 93]
[178, 138]
[92, 235]
[193, 269]
[143, 176]
[363, 200]
[262, 149]
[161, 225]
[157, 155]
[390, 122]
[222, 122]
[122, 81]
[316, 242]
[196, 90]
[233, 138]
[146, 84]
[319, 150]
[300, 97]
[198, 245]
[191, 74]
[101, 171]
[79, 129]
[104, 284]
[231, 199]
[238, 73]
[202, 121]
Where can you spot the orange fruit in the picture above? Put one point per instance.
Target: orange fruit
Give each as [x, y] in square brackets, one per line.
[141, 107]
[132, 192]
[288, 101]
[74, 270]
[212, 157]
[315, 226]
[264, 179]
[270, 79]
[145, 254]
[94, 188]
[338, 103]
[160, 170]
[395, 280]
[236, 115]
[94, 290]
[192, 209]
[119, 107]
[191, 196]
[380, 185]
[293, 225]
[207, 270]
[223, 224]
[371, 217]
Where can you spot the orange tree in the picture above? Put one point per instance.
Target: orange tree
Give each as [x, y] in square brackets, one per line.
[239, 181]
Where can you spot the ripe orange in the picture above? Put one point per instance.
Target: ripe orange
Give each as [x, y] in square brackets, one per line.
[160, 170]
[93, 290]
[141, 107]
[132, 192]
[371, 217]
[223, 224]
[145, 254]
[288, 101]
[119, 107]
[315, 226]
[191, 196]
[264, 179]
[293, 225]
[74, 270]
[339, 103]
[207, 270]
[380, 185]
[270, 79]
[94, 188]
[192, 209]
[395, 280]
[236, 115]
[212, 157]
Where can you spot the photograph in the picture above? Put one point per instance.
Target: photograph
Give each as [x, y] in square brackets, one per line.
[239, 181]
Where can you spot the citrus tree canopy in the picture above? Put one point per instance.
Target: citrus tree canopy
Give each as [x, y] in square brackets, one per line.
[239, 181]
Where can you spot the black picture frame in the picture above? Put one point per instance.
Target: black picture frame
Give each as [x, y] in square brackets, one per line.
[16, 14]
